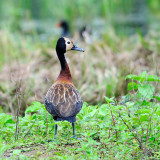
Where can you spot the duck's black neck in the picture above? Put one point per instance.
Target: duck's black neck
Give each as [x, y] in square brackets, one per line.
[65, 30]
[62, 60]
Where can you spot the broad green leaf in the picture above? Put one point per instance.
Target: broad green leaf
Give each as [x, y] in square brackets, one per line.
[34, 116]
[34, 108]
[146, 90]
[144, 117]
[158, 112]
[131, 76]
[103, 111]
[37, 103]
[93, 113]
[143, 76]
[4, 118]
[134, 77]
[109, 100]
[153, 78]
[143, 111]
[135, 120]
[132, 85]
[157, 97]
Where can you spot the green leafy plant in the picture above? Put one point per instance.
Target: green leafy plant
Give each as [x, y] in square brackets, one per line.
[128, 129]
[143, 119]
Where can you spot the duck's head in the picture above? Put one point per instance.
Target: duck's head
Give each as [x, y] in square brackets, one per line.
[63, 24]
[65, 44]
[65, 27]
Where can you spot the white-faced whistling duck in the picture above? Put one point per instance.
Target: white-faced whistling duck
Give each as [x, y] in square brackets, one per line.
[65, 28]
[85, 34]
[62, 100]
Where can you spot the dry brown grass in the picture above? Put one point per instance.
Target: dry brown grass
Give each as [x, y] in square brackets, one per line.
[33, 66]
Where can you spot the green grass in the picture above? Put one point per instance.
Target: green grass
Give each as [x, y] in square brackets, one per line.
[127, 130]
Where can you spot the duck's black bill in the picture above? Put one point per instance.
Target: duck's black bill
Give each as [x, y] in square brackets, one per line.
[77, 48]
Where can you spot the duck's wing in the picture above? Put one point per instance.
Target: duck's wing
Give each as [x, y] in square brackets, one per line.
[63, 100]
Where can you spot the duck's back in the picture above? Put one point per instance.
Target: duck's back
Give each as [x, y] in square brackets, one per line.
[63, 102]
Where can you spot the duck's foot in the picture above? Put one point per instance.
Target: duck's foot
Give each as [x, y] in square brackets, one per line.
[78, 138]
[49, 141]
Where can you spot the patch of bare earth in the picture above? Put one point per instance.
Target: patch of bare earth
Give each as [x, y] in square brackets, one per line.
[32, 151]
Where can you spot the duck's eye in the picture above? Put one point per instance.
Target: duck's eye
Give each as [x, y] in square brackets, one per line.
[68, 42]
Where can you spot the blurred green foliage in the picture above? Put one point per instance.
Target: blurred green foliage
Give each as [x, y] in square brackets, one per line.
[132, 12]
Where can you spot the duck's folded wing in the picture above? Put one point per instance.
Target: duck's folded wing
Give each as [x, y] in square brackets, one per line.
[63, 100]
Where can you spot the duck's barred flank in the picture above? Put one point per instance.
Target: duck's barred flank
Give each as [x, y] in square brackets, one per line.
[63, 101]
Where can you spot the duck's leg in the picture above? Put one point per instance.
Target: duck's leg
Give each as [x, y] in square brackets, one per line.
[56, 126]
[73, 125]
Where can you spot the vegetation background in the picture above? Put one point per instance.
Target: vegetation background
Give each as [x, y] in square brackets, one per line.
[124, 40]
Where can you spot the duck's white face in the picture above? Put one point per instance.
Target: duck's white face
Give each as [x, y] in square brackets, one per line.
[69, 44]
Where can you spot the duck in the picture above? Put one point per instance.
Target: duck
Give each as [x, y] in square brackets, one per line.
[84, 32]
[63, 100]
[65, 28]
